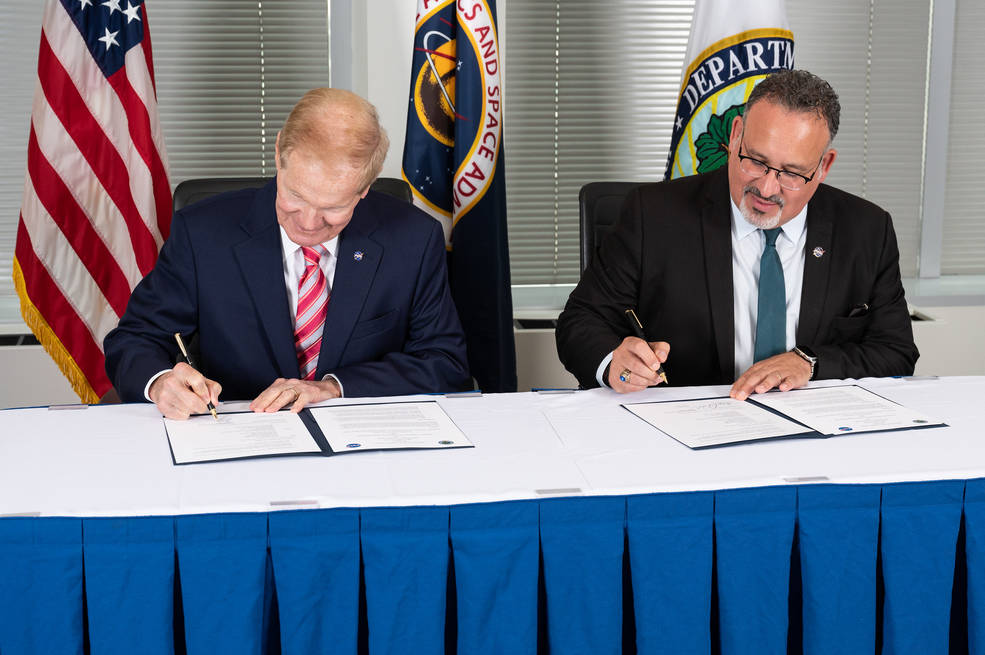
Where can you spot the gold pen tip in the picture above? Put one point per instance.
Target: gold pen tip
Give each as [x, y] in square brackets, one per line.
[214, 415]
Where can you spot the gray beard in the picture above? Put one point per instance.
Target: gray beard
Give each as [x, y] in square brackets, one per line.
[758, 218]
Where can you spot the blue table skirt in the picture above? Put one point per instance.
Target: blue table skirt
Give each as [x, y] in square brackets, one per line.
[897, 568]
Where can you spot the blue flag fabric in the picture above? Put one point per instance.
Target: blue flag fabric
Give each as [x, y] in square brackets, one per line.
[453, 161]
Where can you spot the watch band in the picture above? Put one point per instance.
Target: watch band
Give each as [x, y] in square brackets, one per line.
[808, 356]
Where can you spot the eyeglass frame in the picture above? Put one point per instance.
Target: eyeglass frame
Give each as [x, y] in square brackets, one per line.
[807, 180]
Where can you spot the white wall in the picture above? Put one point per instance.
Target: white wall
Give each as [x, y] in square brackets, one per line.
[381, 66]
[951, 343]
[30, 378]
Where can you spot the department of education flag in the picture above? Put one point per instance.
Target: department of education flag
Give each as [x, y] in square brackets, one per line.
[453, 161]
[733, 45]
[97, 203]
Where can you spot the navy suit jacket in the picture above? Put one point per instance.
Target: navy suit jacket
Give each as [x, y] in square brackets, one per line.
[670, 257]
[391, 327]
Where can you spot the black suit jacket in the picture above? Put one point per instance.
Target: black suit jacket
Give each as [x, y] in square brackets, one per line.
[391, 327]
[670, 257]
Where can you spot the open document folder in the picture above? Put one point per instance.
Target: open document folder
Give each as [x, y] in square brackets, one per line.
[329, 430]
[819, 412]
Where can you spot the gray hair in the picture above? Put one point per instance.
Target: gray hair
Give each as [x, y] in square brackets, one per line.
[800, 90]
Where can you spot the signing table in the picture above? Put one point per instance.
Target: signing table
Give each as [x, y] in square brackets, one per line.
[572, 526]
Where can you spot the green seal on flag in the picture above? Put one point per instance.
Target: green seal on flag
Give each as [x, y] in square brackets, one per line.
[711, 146]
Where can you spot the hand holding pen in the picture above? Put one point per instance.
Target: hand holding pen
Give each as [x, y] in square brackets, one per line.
[636, 363]
[637, 328]
[188, 360]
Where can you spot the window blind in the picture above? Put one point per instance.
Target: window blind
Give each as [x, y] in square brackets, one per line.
[874, 54]
[591, 89]
[20, 34]
[228, 72]
[590, 93]
[963, 249]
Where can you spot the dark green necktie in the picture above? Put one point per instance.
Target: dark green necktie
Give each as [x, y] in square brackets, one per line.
[771, 319]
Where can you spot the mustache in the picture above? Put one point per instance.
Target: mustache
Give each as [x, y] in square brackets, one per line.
[775, 199]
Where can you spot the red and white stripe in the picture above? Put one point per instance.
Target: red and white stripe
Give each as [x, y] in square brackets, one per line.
[312, 306]
[97, 202]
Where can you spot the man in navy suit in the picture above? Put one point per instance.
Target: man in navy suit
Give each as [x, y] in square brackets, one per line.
[234, 273]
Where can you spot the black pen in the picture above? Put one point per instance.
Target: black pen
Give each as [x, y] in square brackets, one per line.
[188, 360]
[637, 327]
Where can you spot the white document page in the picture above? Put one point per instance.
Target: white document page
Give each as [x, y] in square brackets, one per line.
[844, 410]
[203, 439]
[388, 426]
[714, 421]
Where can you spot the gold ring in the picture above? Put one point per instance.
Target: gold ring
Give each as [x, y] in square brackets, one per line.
[624, 376]
[296, 395]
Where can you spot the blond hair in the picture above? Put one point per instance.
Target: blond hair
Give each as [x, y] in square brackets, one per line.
[339, 127]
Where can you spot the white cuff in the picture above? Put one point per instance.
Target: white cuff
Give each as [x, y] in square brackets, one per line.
[150, 382]
[337, 381]
[600, 372]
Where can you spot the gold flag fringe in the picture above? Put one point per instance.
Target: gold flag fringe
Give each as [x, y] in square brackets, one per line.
[39, 326]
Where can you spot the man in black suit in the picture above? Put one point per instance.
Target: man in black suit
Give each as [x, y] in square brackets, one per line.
[688, 256]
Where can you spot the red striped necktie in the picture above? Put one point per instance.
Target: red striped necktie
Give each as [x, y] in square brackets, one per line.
[312, 305]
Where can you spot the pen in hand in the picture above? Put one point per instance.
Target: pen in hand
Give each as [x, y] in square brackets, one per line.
[637, 327]
[188, 360]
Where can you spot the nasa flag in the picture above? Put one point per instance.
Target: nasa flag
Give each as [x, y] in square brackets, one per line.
[453, 162]
[733, 45]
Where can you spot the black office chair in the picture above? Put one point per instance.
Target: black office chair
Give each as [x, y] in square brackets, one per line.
[395, 186]
[193, 190]
[599, 204]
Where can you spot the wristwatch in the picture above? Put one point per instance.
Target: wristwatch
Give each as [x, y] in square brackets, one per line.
[808, 356]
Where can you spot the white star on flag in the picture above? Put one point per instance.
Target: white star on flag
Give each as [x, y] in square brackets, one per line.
[114, 5]
[131, 13]
[85, 3]
[109, 39]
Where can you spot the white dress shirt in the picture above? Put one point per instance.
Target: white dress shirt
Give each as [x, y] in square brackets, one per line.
[748, 243]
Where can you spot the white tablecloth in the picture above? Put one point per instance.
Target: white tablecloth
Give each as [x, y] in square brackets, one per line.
[115, 461]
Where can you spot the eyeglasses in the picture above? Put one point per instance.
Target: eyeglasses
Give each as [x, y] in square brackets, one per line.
[787, 179]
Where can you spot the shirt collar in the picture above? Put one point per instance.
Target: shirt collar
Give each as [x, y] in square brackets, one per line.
[793, 229]
[290, 248]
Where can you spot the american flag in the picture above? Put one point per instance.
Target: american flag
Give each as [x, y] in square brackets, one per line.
[97, 203]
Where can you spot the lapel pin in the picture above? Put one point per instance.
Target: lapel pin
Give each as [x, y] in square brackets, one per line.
[358, 255]
[819, 252]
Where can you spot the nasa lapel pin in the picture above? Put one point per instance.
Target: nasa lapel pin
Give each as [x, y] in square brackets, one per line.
[358, 255]
[819, 252]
